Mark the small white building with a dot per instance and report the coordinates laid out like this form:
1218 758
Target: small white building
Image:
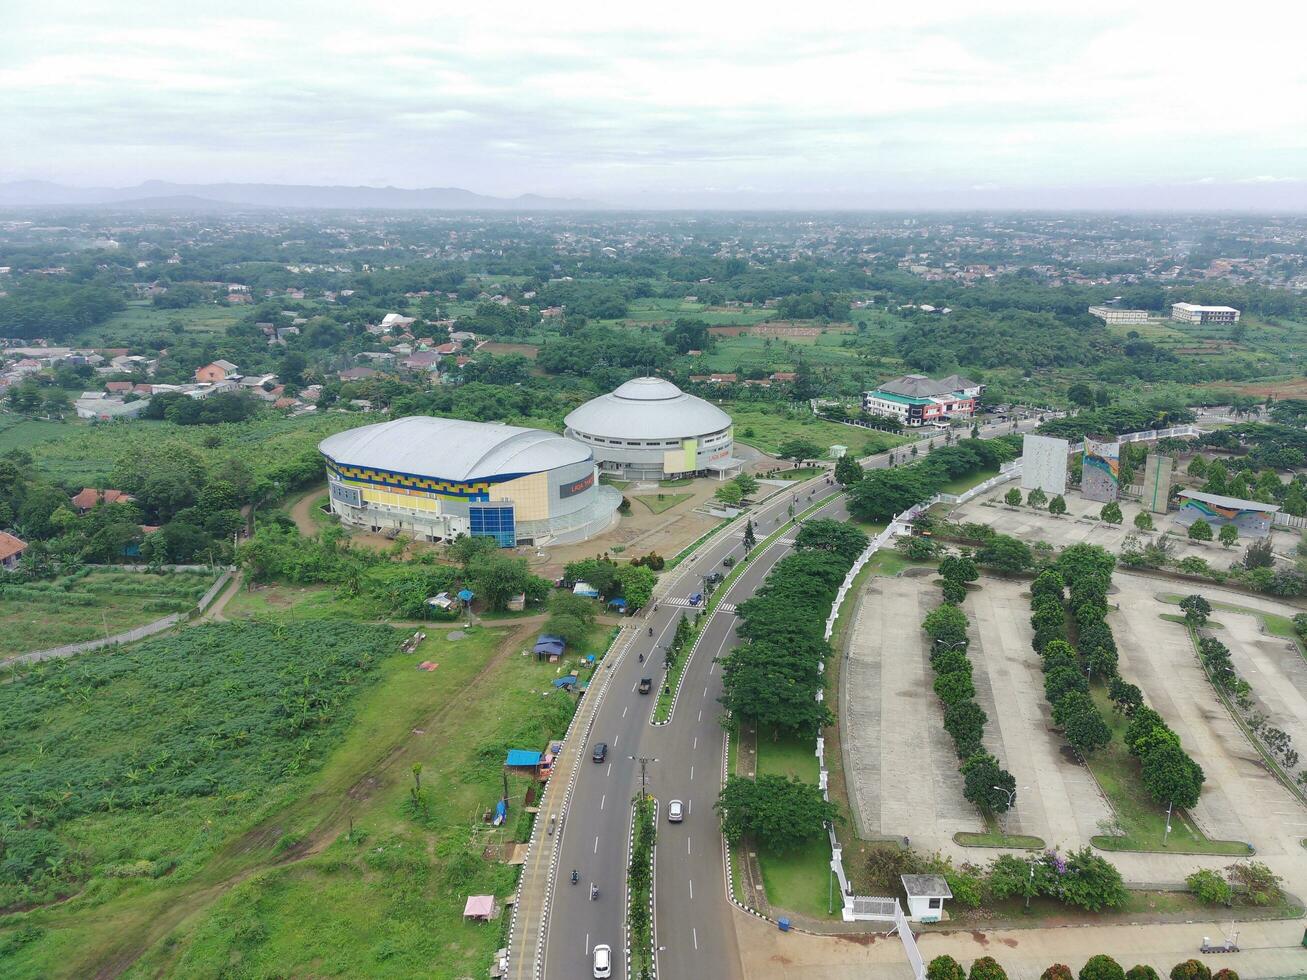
1192 313
926 894
1115 314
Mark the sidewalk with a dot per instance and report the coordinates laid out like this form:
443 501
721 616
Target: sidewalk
532 909
1269 949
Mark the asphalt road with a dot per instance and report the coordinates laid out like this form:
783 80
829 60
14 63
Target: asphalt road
693 926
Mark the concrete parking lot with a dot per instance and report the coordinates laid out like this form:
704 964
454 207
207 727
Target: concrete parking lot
1241 800
1056 796
1081 524
900 765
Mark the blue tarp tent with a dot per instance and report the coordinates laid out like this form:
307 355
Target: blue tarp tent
567 681
522 758
617 603
467 595
548 645
501 811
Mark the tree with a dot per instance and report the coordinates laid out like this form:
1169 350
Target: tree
637 585
468 550
847 471
778 813
748 484
1171 777
1005 554
1144 521
882 495
1057 506
1225 973
1200 530
954 591
1191 970
965 722
947 626
954 687
729 494
961 568
1078 717
1210 887
1255 881
1126 697
1013 497
1085 561
1259 555
749 541
988 785
799 450
1141 971
1101 967
1058 971
945 968
497 578
1037 498
1090 882
1060 681
986 968
1228 535
1111 513
836 537
1196 609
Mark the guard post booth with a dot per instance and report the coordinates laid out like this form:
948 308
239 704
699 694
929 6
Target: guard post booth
926 894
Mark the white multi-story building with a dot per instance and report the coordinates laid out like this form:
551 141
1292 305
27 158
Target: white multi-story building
1192 313
1115 314
915 399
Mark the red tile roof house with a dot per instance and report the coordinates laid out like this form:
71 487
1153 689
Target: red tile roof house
90 496
119 387
217 371
11 550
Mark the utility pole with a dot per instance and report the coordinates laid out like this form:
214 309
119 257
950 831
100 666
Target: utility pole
644 764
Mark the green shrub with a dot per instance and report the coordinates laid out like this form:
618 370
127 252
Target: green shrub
1101 967
945 968
1191 970
987 968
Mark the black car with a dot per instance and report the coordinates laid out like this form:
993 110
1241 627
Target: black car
601 752
646 685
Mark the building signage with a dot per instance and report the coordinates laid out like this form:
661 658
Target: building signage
580 486
346 495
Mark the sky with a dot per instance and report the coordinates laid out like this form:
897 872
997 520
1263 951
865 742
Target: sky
670 103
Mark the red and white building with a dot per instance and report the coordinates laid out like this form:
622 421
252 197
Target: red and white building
915 399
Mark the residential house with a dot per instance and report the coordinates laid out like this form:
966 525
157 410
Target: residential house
219 370
88 497
11 550
358 374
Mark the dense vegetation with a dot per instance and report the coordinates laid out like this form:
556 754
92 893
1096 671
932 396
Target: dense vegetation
222 712
883 494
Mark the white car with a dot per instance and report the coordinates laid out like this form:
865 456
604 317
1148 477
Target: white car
603 961
675 811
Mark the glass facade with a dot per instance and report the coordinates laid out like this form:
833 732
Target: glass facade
493 521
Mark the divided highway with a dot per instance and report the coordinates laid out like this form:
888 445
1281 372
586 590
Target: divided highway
693 926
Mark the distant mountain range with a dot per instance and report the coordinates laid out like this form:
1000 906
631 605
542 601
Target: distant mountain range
158 194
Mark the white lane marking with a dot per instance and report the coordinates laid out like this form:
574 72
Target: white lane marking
687 845
705 692
701 714
691 889
596 843
692 772
615 738
712 668
696 938
696 741
634 686
602 800
610 770
587 944
624 710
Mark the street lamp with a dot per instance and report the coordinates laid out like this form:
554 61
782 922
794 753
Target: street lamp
644 762
1011 795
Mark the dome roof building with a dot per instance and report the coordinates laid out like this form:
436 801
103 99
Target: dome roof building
649 429
436 478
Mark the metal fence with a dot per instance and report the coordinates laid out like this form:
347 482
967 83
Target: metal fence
132 635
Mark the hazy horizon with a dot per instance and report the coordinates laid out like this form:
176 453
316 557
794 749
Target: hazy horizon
828 106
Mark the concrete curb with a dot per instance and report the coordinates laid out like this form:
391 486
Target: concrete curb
562 817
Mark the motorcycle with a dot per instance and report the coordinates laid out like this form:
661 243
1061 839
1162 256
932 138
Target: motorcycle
575 876
594 892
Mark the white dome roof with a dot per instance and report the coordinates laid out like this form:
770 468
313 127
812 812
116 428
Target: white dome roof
647 408
452 449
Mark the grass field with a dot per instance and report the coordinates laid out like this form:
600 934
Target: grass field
17 432
788 756
142 321
99 604
658 503
1142 820
345 873
767 425
799 880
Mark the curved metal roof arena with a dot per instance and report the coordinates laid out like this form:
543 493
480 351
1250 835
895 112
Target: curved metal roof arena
647 408
452 449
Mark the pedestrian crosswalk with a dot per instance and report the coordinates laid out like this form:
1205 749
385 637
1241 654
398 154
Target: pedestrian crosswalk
681 603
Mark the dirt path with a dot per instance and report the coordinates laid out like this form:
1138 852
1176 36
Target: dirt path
142 927
301 512
215 611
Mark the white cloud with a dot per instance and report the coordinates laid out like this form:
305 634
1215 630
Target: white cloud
603 100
